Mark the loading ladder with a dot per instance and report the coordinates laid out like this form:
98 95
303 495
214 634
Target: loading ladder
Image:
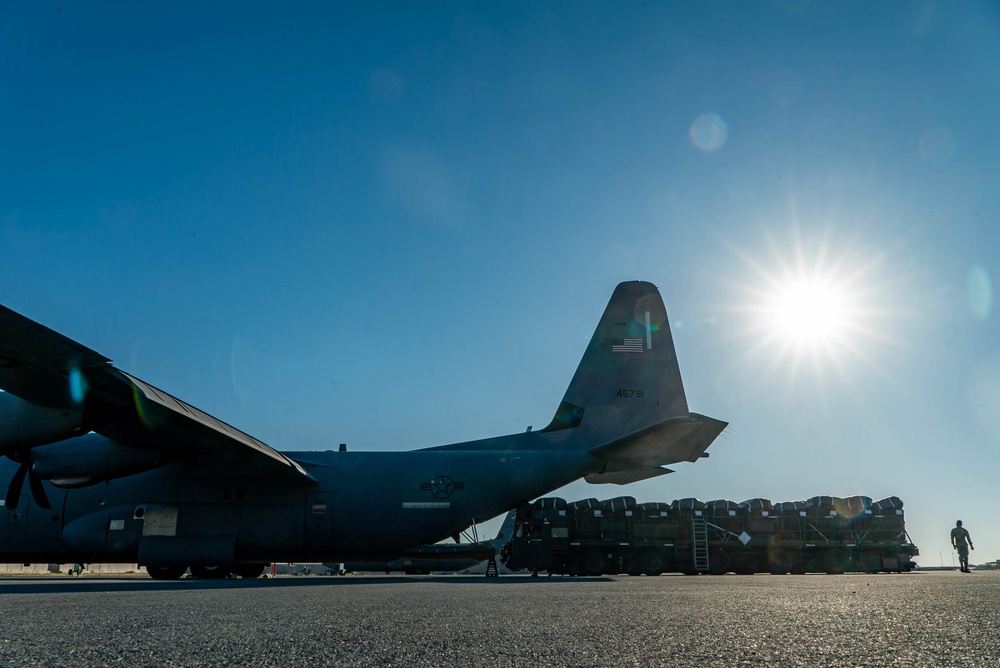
491 568
699 544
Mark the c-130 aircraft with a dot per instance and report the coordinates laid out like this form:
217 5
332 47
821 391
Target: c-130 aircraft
119 471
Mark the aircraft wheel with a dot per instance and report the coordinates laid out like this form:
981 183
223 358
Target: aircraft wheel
779 561
595 562
210 572
718 562
835 561
165 572
652 562
249 571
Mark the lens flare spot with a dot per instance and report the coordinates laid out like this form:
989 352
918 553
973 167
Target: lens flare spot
794 6
983 396
784 86
852 507
921 17
708 133
385 86
77 385
139 410
937 146
979 292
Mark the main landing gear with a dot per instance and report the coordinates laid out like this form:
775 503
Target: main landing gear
213 572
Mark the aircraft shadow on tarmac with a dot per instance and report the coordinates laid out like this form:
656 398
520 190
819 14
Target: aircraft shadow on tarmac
26 585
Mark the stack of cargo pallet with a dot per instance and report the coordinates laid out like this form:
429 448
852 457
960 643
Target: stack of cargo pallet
822 534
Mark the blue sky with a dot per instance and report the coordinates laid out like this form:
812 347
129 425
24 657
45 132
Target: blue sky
396 226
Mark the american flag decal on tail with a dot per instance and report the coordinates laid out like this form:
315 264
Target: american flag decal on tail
626 345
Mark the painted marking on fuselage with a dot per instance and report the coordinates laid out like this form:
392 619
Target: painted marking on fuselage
425 505
442 487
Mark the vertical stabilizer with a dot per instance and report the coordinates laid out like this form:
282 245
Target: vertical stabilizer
628 378
506 531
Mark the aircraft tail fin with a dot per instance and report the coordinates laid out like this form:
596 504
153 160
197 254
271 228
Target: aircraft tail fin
506 530
628 378
626 402
625 405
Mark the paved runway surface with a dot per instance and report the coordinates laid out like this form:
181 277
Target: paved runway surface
918 619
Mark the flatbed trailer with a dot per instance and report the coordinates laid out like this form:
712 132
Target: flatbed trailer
824 534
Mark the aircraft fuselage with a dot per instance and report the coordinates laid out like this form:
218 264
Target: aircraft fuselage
353 512
102 466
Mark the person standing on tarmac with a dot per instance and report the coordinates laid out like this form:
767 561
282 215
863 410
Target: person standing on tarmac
962 541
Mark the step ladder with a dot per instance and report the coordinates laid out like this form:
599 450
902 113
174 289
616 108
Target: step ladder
699 544
491 568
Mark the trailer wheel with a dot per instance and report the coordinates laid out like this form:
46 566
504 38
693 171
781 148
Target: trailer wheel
652 562
779 561
871 562
748 564
573 566
718 562
595 562
835 561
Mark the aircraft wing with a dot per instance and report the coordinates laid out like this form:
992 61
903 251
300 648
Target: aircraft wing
48 369
645 453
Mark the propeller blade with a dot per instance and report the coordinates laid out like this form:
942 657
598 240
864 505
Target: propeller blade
14 489
38 491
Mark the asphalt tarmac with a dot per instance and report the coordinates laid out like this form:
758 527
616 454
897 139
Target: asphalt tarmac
916 619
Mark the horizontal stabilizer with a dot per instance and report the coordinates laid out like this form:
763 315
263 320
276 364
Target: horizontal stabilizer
625 477
643 453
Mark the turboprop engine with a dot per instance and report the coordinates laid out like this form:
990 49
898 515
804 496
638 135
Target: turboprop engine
88 460
54 444
24 425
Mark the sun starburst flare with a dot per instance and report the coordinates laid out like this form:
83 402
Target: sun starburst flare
808 305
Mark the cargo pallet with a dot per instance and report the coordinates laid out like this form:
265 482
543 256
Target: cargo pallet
824 534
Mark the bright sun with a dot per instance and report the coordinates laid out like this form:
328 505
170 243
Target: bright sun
808 312
810 303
